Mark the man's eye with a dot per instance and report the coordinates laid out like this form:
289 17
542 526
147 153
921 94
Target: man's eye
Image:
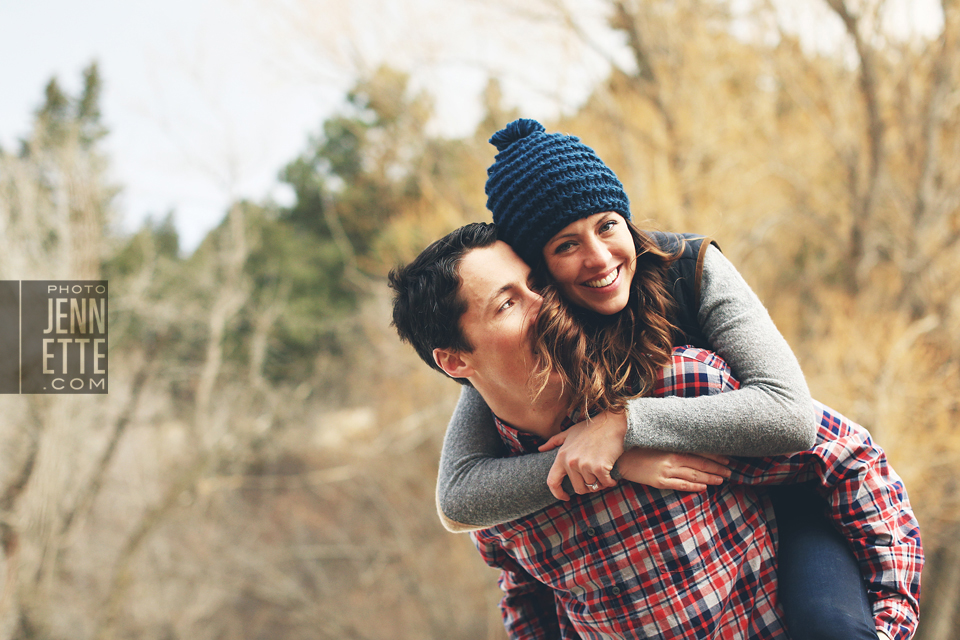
506 305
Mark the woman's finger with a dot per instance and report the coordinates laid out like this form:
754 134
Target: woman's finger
719 459
576 479
712 464
554 441
591 483
676 484
696 476
685 463
555 482
602 475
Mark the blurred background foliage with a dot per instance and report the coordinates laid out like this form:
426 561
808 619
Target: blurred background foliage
264 464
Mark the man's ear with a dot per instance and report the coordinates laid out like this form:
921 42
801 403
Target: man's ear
452 363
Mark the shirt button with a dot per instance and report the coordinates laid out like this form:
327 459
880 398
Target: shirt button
591 532
615 591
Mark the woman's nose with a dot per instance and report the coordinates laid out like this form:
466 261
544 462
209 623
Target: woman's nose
595 253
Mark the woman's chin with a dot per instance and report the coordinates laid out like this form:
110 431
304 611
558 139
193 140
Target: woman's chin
608 307
603 303
611 310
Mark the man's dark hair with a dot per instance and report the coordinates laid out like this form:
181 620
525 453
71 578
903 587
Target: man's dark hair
426 303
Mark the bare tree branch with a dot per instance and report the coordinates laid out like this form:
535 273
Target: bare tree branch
91 490
865 194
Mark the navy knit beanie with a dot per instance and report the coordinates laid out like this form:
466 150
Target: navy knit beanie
541 182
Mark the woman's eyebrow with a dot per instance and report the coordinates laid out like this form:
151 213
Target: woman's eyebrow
570 234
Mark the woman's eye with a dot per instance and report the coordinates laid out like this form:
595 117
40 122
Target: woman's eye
562 247
607 226
506 305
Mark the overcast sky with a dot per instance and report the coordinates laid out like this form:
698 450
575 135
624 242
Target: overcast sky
195 114
207 99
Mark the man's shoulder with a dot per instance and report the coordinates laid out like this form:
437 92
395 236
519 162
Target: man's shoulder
833 424
694 372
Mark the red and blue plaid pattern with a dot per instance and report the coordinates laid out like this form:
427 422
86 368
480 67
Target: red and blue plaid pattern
633 561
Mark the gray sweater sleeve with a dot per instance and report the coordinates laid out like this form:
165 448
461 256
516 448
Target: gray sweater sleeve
477 487
771 413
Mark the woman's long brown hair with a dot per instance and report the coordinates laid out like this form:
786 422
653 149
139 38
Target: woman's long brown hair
604 360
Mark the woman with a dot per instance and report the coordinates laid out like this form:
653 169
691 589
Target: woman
636 295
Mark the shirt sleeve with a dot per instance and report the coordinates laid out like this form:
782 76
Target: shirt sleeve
867 503
528 606
476 486
770 413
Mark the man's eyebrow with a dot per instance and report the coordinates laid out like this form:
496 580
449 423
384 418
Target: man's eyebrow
499 292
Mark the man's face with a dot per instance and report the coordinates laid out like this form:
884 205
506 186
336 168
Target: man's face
501 309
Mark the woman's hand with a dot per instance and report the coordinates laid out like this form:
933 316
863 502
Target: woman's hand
588 451
676 471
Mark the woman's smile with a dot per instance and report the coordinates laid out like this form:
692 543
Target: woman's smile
604 281
593 261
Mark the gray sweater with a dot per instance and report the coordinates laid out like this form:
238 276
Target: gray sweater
770 414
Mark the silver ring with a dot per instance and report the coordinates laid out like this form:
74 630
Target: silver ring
594 486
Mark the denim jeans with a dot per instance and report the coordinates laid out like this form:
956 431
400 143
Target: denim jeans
821 589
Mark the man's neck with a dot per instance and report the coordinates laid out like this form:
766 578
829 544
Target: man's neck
543 417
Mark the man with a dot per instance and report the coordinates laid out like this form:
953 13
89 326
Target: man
634 561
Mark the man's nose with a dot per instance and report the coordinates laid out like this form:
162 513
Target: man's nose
535 301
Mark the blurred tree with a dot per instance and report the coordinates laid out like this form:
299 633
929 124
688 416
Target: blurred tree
361 171
224 367
375 166
154 239
58 203
370 189
55 207
495 114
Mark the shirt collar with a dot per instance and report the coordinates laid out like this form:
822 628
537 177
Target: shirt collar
520 442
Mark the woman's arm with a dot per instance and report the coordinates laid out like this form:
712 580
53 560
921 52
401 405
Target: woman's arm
770 414
476 486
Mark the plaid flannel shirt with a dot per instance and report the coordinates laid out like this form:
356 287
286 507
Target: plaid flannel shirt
633 561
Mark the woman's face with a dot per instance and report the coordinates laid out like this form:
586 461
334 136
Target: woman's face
593 261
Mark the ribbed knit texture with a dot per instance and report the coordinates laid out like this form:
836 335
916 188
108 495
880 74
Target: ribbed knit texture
541 182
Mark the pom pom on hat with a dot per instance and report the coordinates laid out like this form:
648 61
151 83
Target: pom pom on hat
514 131
540 182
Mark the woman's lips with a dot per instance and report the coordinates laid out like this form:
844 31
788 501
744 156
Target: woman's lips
604 281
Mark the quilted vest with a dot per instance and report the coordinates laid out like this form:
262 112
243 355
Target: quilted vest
683 281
